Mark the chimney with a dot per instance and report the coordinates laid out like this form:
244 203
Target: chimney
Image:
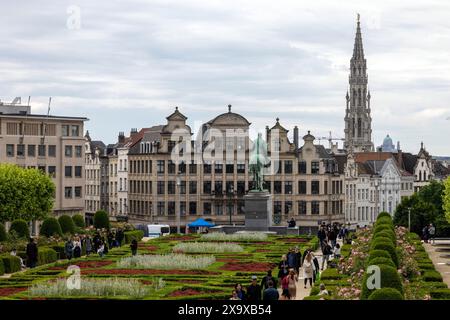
334 148
296 137
121 138
267 134
133 132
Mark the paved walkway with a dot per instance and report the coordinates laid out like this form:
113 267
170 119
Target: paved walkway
441 263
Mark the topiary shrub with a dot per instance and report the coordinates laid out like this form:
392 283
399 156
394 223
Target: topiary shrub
3 235
383 227
383 214
101 220
66 223
432 275
78 220
440 294
379 253
389 248
2 268
130 235
46 255
11 263
381 261
385 234
331 273
384 220
413 236
389 279
50 227
381 240
20 227
60 251
386 294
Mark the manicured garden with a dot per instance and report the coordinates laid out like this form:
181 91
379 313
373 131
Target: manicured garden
173 267
406 272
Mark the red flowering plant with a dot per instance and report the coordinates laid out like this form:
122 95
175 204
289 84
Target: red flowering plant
408 267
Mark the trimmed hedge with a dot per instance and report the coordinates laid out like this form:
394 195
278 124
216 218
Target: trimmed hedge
101 220
381 240
3 235
331 274
386 294
384 220
383 227
46 255
78 220
66 223
11 263
316 297
381 261
135 234
389 248
60 251
51 227
432 275
2 267
389 279
385 234
439 294
21 228
379 253
383 214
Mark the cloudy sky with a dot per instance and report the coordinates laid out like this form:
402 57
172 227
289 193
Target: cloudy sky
126 64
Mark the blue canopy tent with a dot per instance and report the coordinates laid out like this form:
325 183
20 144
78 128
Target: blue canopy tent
200 223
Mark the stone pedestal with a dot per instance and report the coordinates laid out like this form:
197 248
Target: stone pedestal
258 211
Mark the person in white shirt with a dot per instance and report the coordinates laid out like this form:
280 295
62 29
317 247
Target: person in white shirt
14 253
337 251
323 291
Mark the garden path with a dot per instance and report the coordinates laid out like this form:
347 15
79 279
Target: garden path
441 264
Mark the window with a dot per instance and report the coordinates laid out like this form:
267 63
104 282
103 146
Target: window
302 207
302 167
314 167
31 150
65 130
229 187
78 171
182 168
192 168
68 151
192 187
277 207
68 171
192 208
206 168
160 166
277 187
240 187
207 187
302 187
325 189
78 152
171 208
288 207
20 150
160 208
218 209
52 151
182 187
218 168
42 169
68 192
276 166
241 168
75 131
182 208
240 207
287 166
10 150
315 207
229 168
77 192
171 187
52 171
218 188
288 187
315 187
207 208
160 187
171 167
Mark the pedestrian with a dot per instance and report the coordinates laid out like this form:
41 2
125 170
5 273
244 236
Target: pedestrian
291 223
110 238
14 253
76 249
425 234
298 259
332 236
291 258
134 247
316 266
101 249
234 295
283 268
431 232
308 269
285 295
240 291
292 283
337 251
68 249
88 245
254 290
322 235
120 235
326 252
271 293
323 291
265 281
32 253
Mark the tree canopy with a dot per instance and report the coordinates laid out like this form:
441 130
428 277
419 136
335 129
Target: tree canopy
26 194
446 199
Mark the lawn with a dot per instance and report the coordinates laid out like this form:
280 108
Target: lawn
204 271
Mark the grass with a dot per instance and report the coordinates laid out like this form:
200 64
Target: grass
207 247
169 261
245 236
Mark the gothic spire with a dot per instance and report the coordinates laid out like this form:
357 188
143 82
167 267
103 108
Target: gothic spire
358 50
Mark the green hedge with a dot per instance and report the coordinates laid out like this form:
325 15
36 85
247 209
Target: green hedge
2 267
60 251
383 214
316 297
78 220
51 227
384 220
389 279
381 240
385 234
386 294
66 223
101 220
46 255
11 263
439 294
379 253
3 235
135 234
21 228
389 248
432 275
381 261
330 273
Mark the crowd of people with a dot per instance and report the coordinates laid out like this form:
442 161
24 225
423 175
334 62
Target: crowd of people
429 233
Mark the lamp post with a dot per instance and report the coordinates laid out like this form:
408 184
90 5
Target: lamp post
179 205
409 219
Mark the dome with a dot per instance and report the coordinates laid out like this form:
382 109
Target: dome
388 146
387 141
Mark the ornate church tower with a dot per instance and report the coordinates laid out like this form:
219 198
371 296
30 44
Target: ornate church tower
358 123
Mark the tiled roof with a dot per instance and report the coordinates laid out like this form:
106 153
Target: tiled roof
372 156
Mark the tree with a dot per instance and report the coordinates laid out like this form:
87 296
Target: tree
66 223
446 199
101 220
3 235
51 227
20 228
26 194
78 220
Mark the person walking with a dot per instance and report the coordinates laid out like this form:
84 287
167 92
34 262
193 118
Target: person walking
285 295
271 293
120 235
240 291
425 234
308 269
68 249
254 290
283 268
322 235
134 247
88 245
326 252
234 295
101 249
431 232
265 281
316 266
291 258
76 249
292 283
298 260
32 253
337 251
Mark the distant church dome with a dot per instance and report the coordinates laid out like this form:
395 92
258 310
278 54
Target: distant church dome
388 146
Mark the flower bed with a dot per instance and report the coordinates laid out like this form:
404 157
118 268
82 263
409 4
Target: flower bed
11 290
145 272
207 247
169 261
190 292
248 266
84 264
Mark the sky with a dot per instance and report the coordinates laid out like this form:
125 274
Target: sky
127 64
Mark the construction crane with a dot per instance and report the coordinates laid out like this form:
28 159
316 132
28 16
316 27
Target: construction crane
330 139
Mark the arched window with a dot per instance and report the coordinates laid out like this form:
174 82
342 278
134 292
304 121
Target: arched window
359 70
353 127
420 175
359 127
354 97
359 97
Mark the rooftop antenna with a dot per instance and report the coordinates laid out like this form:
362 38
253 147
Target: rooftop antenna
45 124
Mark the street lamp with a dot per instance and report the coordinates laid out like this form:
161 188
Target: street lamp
179 205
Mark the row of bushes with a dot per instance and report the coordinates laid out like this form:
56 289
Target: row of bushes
383 254
9 263
135 234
